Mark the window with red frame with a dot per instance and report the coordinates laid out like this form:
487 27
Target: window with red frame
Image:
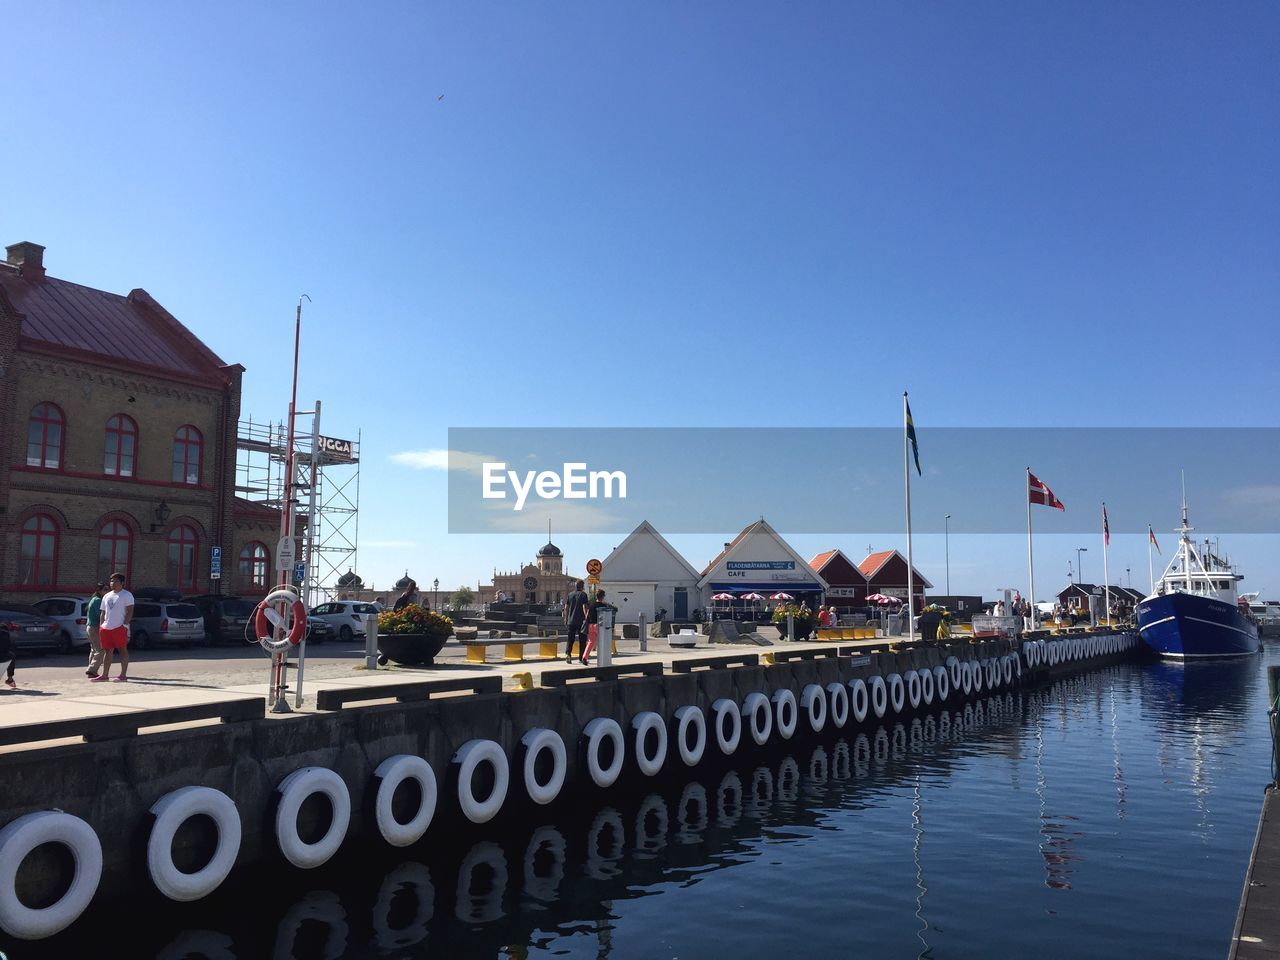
121 446
183 545
254 561
115 550
38 553
44 436
188 445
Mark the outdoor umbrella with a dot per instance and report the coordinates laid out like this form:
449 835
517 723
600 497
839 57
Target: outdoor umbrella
881 599
751 596
781 596
722 598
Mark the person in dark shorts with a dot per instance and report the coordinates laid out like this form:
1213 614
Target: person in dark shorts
7 654
575 616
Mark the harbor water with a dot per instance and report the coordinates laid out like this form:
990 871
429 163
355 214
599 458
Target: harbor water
1110 814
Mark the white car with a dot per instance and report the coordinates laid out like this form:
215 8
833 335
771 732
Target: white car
72 617
345 616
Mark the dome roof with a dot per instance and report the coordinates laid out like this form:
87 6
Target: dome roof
404 581
550 550
350 579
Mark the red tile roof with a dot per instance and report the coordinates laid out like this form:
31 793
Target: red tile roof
874 561
822 559
112 329
249 510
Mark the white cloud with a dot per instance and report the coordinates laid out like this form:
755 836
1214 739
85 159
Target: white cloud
438 458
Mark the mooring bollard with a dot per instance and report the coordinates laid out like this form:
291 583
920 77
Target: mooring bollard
604 642
644 634
371 641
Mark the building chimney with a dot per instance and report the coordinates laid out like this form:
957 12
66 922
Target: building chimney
28 257
727 545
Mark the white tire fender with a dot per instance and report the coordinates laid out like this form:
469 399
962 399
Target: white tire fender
17 840
813 700
641 724
759 716
594 734
914 691
879 697
173 810
838 694
897 692
468 758
784 705
686 718
859 699
537 741
293 790
724 712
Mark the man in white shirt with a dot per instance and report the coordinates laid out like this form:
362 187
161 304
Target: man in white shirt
113 635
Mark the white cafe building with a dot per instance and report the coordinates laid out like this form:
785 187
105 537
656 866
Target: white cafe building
759 561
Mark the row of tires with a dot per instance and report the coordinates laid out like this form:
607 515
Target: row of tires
1039 654
543 763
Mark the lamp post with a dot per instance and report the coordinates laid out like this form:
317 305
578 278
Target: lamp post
947 545
1080 564
1128 577
435 585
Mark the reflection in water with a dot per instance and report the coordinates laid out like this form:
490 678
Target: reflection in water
832 811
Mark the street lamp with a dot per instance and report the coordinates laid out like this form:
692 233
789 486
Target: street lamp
1128 576
1080 564
947 542
435 585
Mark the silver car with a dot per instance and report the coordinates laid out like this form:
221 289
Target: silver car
165 621
72 616
345 616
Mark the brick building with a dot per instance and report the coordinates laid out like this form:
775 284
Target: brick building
119 428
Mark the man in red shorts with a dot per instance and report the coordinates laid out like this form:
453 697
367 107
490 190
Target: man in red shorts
113 635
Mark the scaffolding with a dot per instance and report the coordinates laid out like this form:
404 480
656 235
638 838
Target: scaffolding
326 493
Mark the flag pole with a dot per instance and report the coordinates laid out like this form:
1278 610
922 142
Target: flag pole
1106 577
1031 566
1151 571
906 473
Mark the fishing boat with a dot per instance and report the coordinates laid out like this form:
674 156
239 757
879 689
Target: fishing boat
1194 612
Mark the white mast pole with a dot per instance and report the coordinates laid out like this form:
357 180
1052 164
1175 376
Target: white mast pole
911 580
1106 576
1031 566
1151 571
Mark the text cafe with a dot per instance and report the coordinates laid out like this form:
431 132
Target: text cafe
759 561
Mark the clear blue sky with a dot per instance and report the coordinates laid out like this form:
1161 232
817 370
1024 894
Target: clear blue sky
746 213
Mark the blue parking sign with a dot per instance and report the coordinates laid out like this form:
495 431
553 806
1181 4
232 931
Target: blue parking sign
299 572
215 563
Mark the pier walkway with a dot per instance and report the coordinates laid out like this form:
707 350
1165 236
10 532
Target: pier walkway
1257 933
45 712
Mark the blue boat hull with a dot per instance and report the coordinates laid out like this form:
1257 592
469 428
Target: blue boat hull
1183 626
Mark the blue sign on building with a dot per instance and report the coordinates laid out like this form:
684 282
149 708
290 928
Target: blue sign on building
215 563
299 572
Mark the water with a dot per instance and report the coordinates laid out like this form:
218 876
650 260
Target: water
1108 815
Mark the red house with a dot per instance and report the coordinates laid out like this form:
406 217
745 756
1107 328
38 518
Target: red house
846 585
886 573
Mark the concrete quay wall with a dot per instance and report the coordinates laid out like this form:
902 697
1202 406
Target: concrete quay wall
113 784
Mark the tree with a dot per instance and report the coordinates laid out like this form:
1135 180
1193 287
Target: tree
462 597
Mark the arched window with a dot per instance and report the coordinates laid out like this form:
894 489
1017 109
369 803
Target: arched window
38 555
254 563
44 436
183 544
115 550
187 447
121 445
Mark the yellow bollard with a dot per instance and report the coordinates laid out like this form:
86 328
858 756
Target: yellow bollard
524 681
768 658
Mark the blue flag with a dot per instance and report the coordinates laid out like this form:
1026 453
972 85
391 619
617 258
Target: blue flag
911 434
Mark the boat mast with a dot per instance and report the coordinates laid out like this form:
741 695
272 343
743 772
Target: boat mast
1186 541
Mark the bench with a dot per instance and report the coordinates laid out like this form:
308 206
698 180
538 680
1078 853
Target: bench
512 648
715 663
407 692
128 722
558 678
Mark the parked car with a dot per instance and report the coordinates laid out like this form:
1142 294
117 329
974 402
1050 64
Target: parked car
318 630
72 615
155 593
165 622
345 616
225 618
29 630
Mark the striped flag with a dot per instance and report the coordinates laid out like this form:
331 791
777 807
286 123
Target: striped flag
1106 528
1151 534
911 434
1039 493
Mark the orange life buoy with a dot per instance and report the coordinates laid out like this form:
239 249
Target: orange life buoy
266 631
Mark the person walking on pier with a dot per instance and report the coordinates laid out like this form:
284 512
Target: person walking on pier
575 617
409 596
593 626
94 616
117 611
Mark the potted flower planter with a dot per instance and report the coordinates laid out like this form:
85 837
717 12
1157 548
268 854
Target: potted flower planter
409 648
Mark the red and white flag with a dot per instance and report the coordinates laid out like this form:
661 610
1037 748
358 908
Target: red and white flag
1037 492
1151 534
1106 528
